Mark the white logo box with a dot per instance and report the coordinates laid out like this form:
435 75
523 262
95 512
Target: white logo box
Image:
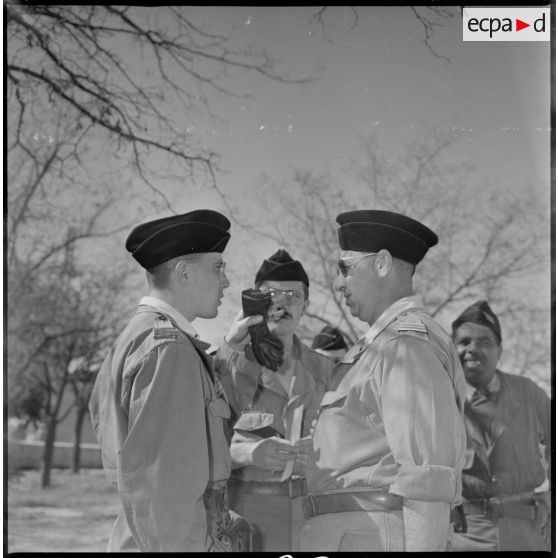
502 24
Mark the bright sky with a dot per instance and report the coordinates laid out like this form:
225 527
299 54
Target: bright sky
378 78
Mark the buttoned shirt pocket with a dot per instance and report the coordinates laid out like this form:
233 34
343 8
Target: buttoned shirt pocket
333 399
256 424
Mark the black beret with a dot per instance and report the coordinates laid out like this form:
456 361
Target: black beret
479 313
329 339
370 230
281 267
158 241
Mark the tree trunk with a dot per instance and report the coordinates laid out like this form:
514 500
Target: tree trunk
81 411
50 437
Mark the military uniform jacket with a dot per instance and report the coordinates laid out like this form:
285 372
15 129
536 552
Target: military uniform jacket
513 463
395 420
160 424
261 406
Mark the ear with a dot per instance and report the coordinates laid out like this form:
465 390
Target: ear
306 304
383 263
181 271
500 349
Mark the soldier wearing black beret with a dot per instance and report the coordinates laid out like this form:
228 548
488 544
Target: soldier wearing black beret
507 417
389 442
157 409
274 406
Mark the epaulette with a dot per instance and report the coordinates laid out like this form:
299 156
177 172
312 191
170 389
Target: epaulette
163 328
410 322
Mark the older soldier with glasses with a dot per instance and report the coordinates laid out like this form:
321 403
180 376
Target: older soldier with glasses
157 408
274 384
389 443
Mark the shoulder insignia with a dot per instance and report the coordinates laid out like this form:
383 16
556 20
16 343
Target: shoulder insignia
411 322
163 328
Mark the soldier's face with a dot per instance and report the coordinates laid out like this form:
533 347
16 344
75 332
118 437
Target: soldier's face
208 282
479 351
358 282
288 305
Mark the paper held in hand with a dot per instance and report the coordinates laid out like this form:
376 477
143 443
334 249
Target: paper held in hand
294 436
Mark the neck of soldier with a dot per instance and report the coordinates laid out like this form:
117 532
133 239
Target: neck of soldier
394 292
178 301
287 368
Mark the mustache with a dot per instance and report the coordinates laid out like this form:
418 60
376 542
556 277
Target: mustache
276 316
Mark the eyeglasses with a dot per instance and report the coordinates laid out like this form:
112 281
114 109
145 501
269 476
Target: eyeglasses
220 268
289 295
345 268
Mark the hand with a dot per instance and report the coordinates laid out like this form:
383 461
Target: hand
542 503
238 335
267 348
273 453
303 447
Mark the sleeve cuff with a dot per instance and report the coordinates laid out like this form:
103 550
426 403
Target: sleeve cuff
429 483
234 356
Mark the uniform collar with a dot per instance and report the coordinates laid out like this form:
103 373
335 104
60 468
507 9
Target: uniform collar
164 307
388 315
493 387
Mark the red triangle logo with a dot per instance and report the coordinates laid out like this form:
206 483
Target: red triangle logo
519 25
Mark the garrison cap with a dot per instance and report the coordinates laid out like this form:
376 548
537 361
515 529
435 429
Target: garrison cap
281 267
479 313
156 242
329 339
370 230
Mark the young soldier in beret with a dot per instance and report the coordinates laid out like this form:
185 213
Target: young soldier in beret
156 406
389 442
507 417
273 410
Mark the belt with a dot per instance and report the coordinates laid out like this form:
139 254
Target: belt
292 488
350 501
493 508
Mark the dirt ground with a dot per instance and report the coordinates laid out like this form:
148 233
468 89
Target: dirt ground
74 515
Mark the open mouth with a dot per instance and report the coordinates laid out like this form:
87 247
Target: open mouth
472 362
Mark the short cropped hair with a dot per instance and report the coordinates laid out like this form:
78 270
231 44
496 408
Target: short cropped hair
409 267
158 276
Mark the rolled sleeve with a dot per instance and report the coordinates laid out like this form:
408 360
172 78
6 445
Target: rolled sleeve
423 423
238 375
429 483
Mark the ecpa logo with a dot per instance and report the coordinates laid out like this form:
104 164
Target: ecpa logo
506 24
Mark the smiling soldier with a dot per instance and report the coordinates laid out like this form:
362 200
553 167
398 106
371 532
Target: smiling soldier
274 401
507 417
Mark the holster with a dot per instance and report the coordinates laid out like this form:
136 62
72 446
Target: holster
459 519
225 526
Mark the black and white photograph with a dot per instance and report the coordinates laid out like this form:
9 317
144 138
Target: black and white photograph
279 278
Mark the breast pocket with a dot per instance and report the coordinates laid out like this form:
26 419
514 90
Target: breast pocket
218 407
256 423
333 399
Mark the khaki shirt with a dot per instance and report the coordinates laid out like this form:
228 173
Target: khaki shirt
395 421
160 424
262 408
